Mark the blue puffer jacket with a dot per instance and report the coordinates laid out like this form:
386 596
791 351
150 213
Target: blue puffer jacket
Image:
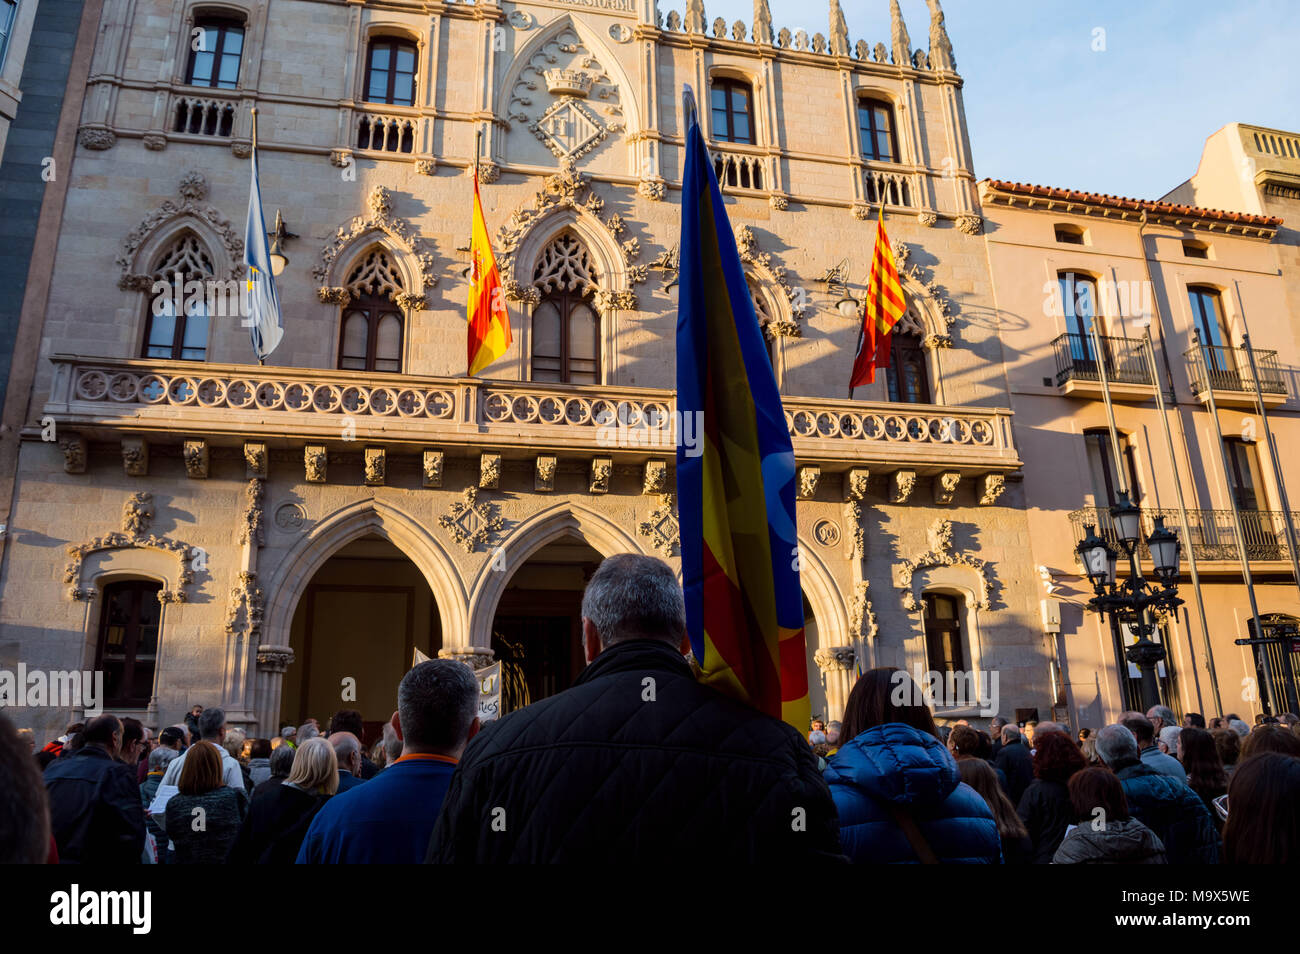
896 764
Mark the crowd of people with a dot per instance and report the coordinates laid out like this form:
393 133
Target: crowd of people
641 761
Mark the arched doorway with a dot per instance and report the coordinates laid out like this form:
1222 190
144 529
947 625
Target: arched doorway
537 629
816 678
354 632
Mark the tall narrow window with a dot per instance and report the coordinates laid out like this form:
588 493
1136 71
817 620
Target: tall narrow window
1207 314
566 327
127 647
179 333
943 636
216 60
733 111
1244 474
8 13
1079 301
372 327
1101 465
876 130
390 72
906 377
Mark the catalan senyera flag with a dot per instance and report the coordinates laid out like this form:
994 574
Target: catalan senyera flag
736 486
885 305
489 322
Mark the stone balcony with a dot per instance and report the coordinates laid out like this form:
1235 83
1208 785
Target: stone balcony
167 401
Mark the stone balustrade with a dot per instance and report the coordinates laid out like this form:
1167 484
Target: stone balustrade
103 397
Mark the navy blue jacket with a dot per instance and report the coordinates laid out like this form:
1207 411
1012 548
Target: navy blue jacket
1173 811
894 764
385 821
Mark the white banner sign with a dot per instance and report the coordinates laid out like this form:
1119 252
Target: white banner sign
489 692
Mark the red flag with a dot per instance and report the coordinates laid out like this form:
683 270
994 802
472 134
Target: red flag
884 306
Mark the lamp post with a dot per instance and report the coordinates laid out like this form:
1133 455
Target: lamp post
1131 601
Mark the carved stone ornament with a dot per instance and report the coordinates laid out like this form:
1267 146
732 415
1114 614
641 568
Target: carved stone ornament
137 518
991 487
154 142
96 137
940 554
858 534
929 290
809 477
245 609
654 477
380 219
376 466
426 167
826 533
315 460
472 522
241 148
835 659
653 188
255 460
927 217
488 172
252 527
855 483
862 619
75 452
341 158
196 459
779 202
193 190
901 483
767 269
567 189
489 471
970 223
432 468
945 487
290 517
544 476
135 456
601 469
662 527
274 658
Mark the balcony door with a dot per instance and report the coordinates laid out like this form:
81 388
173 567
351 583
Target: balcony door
1101 466
1079 301
1264 540
1216 339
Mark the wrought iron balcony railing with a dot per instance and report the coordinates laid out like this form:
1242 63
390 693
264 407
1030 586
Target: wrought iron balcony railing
1228 369
233 401
1213 532
1123 359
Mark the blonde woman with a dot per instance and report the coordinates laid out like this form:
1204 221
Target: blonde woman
280 815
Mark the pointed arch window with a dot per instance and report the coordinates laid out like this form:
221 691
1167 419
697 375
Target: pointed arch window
566 326
373 326
173 333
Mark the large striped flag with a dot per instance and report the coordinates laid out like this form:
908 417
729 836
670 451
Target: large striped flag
263 319
885 305
740 570
489 322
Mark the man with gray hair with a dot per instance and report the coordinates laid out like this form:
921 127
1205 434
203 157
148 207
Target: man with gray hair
212 729
347 747
1152 757
639 762
1160 717
1168 807
388 819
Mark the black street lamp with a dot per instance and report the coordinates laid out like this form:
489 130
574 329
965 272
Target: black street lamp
1132 600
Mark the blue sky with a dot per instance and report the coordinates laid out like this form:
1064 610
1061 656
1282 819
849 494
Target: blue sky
1044 107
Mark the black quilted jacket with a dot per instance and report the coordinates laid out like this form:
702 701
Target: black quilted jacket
619 769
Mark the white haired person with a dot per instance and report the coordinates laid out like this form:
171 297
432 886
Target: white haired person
280 815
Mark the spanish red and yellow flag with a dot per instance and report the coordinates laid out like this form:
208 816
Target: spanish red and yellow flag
885 305
489 322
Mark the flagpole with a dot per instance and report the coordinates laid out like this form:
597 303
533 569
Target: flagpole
260 360
478 150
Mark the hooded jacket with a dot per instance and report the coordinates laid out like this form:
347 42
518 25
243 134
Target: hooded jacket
1127 842
896 765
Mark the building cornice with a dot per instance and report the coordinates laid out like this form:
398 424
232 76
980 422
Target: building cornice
1073 202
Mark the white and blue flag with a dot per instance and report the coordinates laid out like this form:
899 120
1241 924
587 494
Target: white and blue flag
263 316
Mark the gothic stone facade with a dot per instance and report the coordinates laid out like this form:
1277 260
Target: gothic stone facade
232 484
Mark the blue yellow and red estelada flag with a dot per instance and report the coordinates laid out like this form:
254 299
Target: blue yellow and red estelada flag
736 486
489 322
885 305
